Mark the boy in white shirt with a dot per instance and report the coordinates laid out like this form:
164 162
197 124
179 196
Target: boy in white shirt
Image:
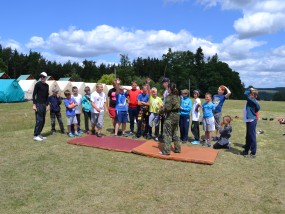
196 117
98 101
78 99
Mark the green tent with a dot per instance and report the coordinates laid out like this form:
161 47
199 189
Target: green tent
10 91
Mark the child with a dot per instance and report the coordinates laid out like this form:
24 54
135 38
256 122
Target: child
155 104
121 108
86 107
208 119
111 103
78 99
54 102
70 104
196 117
225 133
218 100
98 100
184 111
143 114
250 110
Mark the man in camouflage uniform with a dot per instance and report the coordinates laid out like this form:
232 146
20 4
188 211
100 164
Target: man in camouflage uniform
170 108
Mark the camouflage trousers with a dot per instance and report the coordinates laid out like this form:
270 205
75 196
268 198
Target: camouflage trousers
170 129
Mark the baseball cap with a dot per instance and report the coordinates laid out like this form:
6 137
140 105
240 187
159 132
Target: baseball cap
43 74
165 79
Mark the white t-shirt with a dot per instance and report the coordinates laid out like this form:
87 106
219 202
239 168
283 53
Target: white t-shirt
195 114
78 100
99 99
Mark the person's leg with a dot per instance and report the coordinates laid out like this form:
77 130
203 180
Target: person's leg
117 128
40 119
93 122
86 120
100 123
52 121
150 122
124 128
252 137
186 126
156 124
167 137
139 124
175 138
218 146
78 121
162 119
59 119
181 127
146 128
132 117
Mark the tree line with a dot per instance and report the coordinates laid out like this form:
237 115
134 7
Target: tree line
187 69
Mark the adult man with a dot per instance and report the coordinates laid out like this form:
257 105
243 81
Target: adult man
40 105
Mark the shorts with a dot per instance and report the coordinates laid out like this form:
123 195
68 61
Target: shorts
97 119
71 120
112 112
122 116
209 124
218 116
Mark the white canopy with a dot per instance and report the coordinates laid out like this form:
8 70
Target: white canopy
80 86
28 88
64 85
52 84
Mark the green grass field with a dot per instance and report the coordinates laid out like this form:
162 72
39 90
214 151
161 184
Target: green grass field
55 177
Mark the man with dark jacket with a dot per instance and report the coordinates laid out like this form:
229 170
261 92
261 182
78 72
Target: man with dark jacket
40 105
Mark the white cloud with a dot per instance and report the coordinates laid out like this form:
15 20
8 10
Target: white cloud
36 42
14 45
260 17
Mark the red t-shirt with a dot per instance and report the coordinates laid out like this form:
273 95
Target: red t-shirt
133 98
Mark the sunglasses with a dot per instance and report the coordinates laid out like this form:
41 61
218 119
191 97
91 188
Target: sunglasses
42 77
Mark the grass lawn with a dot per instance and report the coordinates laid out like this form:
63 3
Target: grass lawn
55 177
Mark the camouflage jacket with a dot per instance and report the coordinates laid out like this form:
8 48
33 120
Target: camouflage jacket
171 104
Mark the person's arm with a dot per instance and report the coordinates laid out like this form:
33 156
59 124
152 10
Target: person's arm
228 92
187 107
35 92
94 106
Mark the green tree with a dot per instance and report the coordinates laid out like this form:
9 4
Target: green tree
107 79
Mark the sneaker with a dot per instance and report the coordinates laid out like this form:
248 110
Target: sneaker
77 134
156 138
99 135
53 132
183 142
244 153
80 131
125 135
37 138
63 132
93 132
42 137
229 145
148 137
195 142
131 133
208 144
163 153
70 134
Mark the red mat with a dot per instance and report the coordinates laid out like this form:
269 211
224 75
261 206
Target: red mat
188 154
121 144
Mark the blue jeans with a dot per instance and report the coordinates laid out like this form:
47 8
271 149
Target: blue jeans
251 137
184 127
133 114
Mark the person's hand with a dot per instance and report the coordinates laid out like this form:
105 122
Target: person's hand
118 81
222 123
34 107
47 108
181 108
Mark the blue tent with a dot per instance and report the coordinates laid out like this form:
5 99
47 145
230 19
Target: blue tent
10 91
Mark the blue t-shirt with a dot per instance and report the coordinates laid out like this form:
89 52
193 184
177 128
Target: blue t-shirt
70 111
143 98
208 109
121 102
218 101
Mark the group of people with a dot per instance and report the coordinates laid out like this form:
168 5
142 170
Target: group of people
145 108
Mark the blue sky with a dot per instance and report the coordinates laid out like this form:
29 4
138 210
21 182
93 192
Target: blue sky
247 34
